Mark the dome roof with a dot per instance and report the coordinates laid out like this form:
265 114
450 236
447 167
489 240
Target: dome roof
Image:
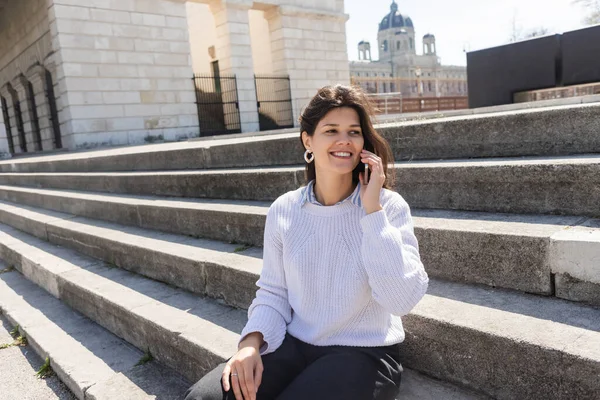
429 35
394 19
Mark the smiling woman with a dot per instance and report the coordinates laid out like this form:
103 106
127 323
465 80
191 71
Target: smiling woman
341 265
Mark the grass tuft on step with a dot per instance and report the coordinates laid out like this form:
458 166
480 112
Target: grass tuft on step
9 269
15 331
242 248
146 358
45 370
20 340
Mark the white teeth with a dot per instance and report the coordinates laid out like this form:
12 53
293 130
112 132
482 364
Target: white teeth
342 154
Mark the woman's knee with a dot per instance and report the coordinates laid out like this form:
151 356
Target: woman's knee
208 388
202 391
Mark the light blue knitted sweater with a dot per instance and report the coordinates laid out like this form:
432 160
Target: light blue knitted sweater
333 275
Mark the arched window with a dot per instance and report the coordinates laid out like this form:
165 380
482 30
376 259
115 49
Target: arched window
398 45
385 46
411 43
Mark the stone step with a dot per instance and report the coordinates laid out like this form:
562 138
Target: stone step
188 333
557 185
551 131
19 364
92 362
205 267
535 254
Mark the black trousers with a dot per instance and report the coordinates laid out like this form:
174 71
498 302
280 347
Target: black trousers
301 371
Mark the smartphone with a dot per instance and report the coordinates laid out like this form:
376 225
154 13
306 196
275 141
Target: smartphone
367 147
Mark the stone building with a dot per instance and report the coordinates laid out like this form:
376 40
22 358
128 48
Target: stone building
400 68
85 73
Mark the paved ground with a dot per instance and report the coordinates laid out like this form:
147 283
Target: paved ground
18 366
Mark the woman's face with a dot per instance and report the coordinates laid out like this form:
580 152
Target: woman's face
338 132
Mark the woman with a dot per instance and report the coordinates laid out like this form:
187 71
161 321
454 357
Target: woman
341 265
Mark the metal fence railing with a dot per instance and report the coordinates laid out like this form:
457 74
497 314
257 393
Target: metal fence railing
394 103
274 102
217 102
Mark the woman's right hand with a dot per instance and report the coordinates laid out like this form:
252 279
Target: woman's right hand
245 368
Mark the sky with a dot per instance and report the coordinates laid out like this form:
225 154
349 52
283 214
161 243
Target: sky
460 25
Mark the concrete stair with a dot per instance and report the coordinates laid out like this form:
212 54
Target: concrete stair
160 245
479 325
551 131
190 334
91 361
461 246
558 185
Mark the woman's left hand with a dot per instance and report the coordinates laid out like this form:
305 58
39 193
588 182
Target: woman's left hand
369 193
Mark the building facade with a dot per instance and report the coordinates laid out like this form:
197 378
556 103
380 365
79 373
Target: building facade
400 68
86 73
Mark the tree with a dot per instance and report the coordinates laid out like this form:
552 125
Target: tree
539 31
593 9
517 33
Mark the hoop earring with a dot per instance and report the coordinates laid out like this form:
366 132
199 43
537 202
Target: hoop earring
306 156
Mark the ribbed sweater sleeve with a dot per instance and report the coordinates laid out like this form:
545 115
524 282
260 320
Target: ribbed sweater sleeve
390 254
270 311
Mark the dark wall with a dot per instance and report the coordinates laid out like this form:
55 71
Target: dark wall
495 74
581 56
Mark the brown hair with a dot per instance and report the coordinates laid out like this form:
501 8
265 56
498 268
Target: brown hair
330 97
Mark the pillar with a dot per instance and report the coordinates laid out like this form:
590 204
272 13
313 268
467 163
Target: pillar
37 76
309 45
57 117
5 146
28 113
16 122
234 53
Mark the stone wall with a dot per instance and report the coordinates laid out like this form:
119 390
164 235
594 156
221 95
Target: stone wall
125 69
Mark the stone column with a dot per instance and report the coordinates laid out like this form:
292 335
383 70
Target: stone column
234 52
29 115
59 122
37 76
16 122
9 122
4 146
309 45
